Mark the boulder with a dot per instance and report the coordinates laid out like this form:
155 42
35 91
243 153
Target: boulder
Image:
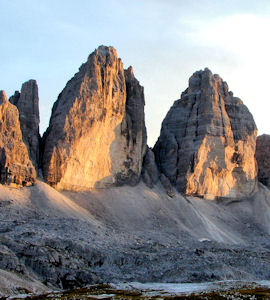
27 102
207 142
96 137
262 155
16 168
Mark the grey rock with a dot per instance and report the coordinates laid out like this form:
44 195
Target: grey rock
167 185
135 120
72 239
146 179
27 102
150 173
15 98
262 156
207 141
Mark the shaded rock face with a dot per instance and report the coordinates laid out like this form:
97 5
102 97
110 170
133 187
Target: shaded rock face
16 168
207 142
27 102
97 136
262 155
150 173
167 185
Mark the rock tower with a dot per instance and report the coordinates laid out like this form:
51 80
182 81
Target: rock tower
27 102
96 136
207 143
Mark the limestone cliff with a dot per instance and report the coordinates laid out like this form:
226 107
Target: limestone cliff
15 167
263 158
97 135
207 142
27 102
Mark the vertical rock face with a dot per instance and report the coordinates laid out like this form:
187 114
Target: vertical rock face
97 135
15 167
263 158
207 142
27 103
150 173
134 129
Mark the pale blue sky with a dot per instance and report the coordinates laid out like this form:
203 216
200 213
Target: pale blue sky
164 40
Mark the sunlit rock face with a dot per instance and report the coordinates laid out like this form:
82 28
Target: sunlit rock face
27 102
97 136
263 158
207 143
16 168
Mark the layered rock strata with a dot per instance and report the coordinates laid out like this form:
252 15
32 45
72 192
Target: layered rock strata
16 168
96 136
263 158
27 102
207 142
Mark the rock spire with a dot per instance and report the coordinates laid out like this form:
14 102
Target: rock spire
97 136
27 102
207 143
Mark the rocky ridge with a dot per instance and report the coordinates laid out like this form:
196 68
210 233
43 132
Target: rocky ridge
97 136
207 143
27 102
16 168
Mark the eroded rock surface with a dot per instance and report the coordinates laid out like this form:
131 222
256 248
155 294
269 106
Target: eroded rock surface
15 167
166 185
207 142
150 173
97 136
263 158
27 102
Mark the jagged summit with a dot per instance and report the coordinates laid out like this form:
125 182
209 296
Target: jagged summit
103 50
201 79
207 142
97 135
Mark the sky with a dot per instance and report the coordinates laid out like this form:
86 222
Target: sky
165 41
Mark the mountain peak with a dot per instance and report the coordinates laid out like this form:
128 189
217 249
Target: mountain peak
96 137
207 142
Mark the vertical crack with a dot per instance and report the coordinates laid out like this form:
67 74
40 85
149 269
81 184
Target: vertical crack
195 102
197 119
222 117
